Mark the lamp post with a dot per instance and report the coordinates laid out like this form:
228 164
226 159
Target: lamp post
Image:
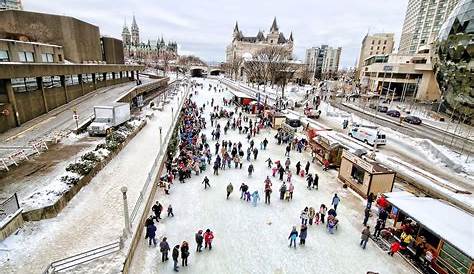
161 141
125 211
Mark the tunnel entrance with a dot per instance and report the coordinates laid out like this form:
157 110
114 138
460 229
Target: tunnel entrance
197 73
215 72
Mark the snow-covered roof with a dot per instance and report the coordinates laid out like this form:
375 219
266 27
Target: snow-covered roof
455 227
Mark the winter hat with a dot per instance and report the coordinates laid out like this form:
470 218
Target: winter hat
208 230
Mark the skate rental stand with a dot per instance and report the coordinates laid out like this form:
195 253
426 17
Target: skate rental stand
448 238
365 175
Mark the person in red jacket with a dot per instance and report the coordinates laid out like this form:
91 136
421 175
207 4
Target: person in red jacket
208 237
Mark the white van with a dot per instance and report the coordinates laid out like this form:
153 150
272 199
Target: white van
368 135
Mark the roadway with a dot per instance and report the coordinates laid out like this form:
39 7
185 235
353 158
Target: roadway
394 147
456 142
59 121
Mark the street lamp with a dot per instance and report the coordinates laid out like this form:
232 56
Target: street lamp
125 211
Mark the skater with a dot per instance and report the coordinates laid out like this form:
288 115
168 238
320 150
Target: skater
265 143
157 208
287 152
170 211
291 188
322 212
164 248
206 182
366 215
208 237
306 168
184 253
199 238
370 199
281 171
304 216
293 236
255 198
230 188
309 179
243 188
175 256
394 248
311 215
268 192
270 163
282 191
298 168
255 153
335 201
303 234
250 170
247 196
316 181
151 233
379 225
287 164
364 237
288 176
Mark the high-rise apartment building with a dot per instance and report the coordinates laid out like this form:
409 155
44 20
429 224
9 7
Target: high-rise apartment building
423 20
323 60
331 61
375 44
11 5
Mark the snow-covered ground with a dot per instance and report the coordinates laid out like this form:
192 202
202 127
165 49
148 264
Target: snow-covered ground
254 239
94 216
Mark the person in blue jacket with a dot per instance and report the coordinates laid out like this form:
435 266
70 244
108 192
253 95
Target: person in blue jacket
293 236
335 201
255 197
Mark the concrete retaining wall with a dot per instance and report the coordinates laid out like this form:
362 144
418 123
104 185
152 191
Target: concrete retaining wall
54 209
30 104
11 225
55 97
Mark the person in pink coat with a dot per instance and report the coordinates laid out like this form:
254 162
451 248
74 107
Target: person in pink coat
291 188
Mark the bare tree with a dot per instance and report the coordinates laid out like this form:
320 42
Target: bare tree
233 66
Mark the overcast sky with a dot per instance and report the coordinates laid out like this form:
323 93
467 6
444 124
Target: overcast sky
204 28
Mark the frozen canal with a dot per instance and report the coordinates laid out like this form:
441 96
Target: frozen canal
255 239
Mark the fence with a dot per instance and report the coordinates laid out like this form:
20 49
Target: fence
9 207
83 257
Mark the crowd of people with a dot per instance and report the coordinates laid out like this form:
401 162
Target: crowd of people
195 154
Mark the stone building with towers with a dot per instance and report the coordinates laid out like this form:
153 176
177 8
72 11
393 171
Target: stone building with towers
246 46
137 50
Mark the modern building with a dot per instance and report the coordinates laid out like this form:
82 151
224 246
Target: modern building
330 64
423 20
375 44
405 77
11 5
149 51
323 61
49 60
247 46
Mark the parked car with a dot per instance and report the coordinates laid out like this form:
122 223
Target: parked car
382 109
393 113
412 120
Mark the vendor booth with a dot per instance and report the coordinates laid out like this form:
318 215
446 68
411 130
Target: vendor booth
327 148
364 175
444 230
275 117
241 98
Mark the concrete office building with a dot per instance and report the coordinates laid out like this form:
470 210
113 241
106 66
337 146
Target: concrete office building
11 5
323 61
423 20
402 76
375 44
41 64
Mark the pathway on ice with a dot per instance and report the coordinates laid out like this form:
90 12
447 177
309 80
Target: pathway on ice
254 239
95 216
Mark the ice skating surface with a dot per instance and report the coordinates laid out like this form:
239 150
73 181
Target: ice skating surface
255 239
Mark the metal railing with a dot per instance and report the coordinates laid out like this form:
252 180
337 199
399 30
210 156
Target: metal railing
83 257
9 207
